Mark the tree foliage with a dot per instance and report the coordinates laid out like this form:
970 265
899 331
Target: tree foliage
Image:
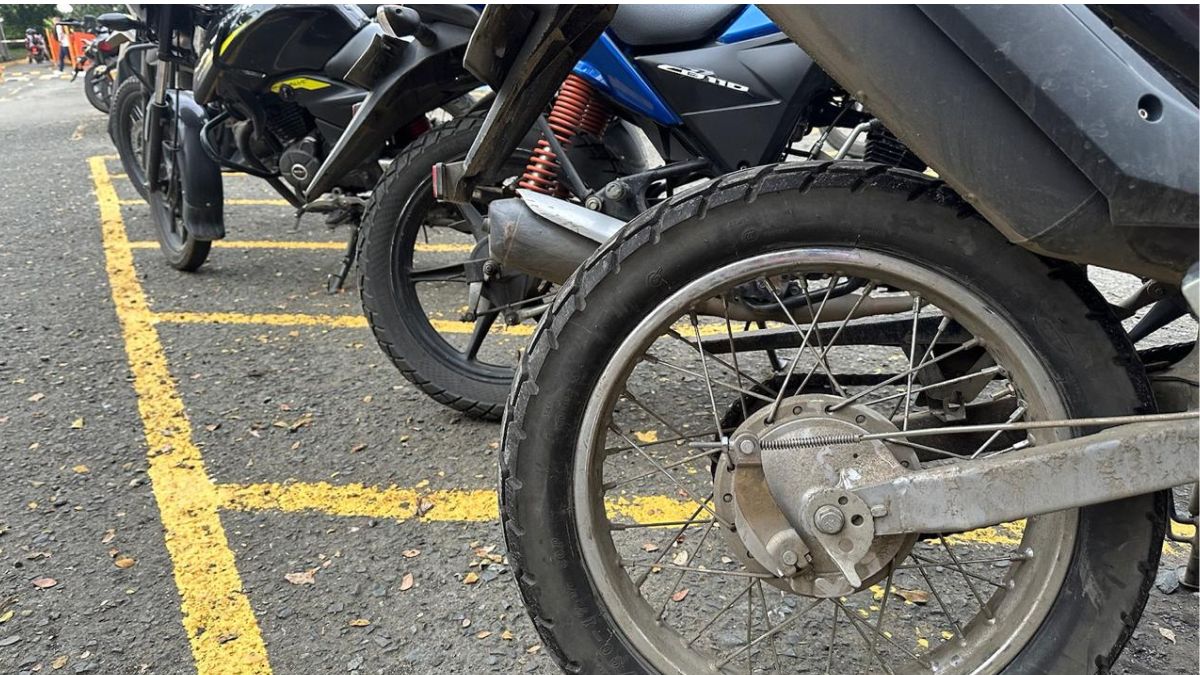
18 17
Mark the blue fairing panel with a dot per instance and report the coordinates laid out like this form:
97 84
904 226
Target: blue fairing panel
610 71
750 24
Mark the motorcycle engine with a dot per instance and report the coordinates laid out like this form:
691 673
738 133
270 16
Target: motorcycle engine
299 163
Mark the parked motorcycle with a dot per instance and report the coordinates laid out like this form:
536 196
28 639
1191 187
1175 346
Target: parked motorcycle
98 62
666 96
921 487
35 47
271 90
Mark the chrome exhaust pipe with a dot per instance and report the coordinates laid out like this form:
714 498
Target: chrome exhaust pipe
543 236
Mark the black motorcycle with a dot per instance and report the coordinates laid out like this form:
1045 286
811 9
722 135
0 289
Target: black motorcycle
268 90
99 59
907 485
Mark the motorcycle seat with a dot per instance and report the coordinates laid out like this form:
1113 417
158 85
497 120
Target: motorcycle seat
667 25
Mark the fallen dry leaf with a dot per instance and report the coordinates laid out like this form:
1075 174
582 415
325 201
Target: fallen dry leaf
424 506
471 578
406 582
359 623
917 597
533 649
108 536
359 448
226 637
410 552
59 662
482 634
424 482
1167 633
6 616
301 578
81 469
649 547
45 582
77 424
506 634
37 397
124 562
680 558
679 595
646 436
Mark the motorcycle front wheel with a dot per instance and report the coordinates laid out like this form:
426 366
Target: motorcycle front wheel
637 550
126 117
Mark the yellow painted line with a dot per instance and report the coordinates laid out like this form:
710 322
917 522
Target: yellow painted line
217 617
228 202
322 245
323 320
233 174
400 503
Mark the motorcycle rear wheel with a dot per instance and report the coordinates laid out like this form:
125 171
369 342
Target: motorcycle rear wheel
97 86
577 576
426 342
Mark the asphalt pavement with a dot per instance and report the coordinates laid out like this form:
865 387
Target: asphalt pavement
219 472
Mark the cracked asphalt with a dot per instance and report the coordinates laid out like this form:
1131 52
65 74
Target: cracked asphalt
186 489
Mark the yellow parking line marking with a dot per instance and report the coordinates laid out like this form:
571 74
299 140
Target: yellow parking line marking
337 245
399 503
125 176
217 617
323 320
228 202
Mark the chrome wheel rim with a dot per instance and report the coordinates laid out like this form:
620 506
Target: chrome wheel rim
982 643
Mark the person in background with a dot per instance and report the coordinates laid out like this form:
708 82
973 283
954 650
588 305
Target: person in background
64 37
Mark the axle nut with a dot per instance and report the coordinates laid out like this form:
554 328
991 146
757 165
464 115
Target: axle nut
789 558
829 519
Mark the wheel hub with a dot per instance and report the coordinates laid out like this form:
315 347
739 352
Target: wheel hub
793 511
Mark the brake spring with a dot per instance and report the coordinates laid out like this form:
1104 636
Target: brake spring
577 108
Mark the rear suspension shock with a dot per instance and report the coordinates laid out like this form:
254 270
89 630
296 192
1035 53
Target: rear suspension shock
577 108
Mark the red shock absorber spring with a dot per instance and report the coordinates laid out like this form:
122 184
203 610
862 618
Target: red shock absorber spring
577 108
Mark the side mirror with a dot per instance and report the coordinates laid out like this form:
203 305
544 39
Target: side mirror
118 21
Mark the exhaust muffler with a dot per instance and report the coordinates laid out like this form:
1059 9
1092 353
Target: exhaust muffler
544 236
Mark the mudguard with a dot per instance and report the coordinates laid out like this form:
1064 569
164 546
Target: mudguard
203 192
1060 134
422 78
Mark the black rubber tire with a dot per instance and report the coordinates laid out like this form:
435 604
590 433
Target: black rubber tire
128 96
389 229
835 204
97 91
185 256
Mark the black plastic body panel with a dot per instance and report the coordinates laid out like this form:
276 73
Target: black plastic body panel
203 191
1032 114
277 39
740 101
421 78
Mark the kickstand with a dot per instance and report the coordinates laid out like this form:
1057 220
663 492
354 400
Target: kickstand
335 281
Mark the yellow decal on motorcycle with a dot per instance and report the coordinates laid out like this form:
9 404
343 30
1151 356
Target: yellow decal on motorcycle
229 38
307 83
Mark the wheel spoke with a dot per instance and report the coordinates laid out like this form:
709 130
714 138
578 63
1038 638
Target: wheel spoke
688 523
610 486
650 358
483 325
662 420
712 399
945 610
812 326
1016 415
452 272
791 620
912 360
716 617
673 479
973 342
870 287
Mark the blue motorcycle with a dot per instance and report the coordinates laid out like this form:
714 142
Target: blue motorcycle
667 96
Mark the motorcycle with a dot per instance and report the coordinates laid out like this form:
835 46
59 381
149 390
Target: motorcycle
665 96
98 61
271 89
959 463
35 47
